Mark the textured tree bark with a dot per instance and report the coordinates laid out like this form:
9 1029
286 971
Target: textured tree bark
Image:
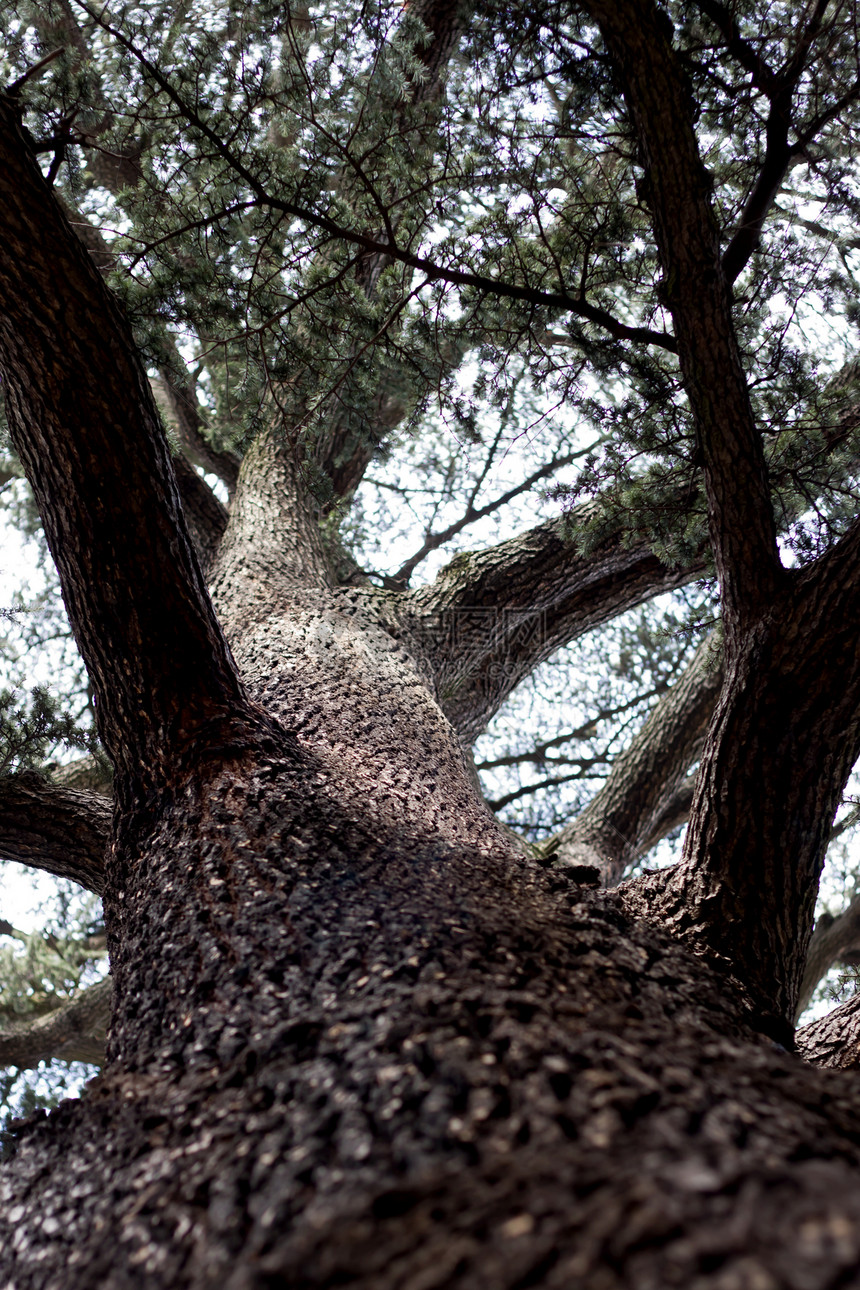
833 1040
465 1079
56 829
206 517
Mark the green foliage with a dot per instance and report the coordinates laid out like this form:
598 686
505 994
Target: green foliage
39 972
34 726
219 154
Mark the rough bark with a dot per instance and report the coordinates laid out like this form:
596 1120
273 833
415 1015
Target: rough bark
85 427
60 830
467 1083
648 792
74 1032
833 1040
272 545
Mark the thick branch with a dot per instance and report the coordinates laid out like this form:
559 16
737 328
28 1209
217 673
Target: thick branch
272 545
206 516
85 775
648 788
73 1033
56 829
832 940
490 618
86 429
742 529
183 413
833 1041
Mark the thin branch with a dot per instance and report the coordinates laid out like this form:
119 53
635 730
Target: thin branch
587 770
745 53
433 272
434 540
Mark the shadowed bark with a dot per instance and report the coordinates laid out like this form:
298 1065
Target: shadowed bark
778 754
59 830
84 424
205 516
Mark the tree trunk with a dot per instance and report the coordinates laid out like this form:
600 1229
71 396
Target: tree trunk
375 1056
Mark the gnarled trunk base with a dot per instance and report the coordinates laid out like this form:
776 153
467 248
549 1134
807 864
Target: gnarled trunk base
474 1080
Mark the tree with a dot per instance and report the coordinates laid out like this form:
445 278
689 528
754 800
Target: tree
360 1032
